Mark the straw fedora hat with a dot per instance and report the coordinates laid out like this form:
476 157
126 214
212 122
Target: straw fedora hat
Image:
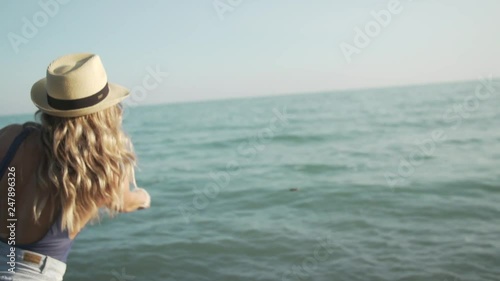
76 85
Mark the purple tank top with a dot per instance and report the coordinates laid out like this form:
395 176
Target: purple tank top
55 243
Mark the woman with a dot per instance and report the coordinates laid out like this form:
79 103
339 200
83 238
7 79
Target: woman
57 174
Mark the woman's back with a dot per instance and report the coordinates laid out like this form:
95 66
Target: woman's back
26 160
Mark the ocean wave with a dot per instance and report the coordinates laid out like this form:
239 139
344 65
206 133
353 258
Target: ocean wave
317 168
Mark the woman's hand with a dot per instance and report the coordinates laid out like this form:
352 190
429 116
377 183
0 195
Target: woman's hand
145 198
136 199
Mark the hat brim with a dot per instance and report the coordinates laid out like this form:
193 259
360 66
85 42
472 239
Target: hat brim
116 94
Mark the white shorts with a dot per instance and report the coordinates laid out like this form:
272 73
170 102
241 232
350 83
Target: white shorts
28 265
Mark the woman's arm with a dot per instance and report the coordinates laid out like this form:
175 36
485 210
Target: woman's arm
135 199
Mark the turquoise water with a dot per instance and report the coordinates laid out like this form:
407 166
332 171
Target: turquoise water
386 184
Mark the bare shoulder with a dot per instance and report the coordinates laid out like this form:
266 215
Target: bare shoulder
8 133
10 129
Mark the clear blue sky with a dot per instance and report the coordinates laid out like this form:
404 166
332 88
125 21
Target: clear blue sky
259 48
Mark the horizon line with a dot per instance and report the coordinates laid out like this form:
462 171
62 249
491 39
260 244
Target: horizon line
327 91
332 91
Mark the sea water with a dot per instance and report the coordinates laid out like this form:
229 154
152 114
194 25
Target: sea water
383 184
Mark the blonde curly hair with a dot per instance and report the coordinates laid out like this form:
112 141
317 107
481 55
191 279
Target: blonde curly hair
87 163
